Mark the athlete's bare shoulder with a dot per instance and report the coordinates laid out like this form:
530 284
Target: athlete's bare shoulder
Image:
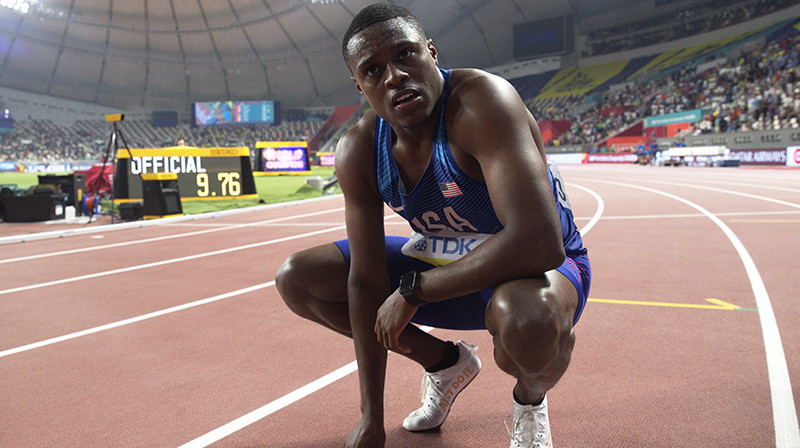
354 152
357 141
476 96
481 104
474 83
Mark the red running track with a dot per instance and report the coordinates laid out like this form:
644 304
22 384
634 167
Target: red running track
170 333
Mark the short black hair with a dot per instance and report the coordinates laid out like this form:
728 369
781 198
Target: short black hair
372 14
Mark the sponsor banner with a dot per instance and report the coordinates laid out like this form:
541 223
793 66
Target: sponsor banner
697 151
8 166
84 165
793 156
775 157
757 140
566 159
57 167
689 116
47 167
611 158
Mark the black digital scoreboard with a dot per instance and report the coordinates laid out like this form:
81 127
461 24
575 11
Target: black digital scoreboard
541 38
203 173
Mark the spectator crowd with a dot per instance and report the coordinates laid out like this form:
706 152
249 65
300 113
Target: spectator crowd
753 89
691 19
48 141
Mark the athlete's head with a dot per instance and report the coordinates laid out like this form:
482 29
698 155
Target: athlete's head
372 14
393 63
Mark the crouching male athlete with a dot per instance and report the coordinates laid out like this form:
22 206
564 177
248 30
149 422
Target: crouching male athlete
458 155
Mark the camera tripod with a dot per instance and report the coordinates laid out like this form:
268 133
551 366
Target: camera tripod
113 142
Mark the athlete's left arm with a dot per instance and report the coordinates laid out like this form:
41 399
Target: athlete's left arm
491 124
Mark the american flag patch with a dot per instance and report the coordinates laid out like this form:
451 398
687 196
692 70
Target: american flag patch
450 189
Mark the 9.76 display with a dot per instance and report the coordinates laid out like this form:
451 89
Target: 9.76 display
203 173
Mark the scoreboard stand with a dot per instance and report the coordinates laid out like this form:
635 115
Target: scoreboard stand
199 174
162 198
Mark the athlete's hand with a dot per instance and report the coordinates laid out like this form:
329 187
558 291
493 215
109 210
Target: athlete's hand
393 316
367 434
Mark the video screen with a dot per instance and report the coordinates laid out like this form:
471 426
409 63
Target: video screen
285 158
327 158
543 38
210 113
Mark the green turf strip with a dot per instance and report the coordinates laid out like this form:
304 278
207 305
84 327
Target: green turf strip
270 189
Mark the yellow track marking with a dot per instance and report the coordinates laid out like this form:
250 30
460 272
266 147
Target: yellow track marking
722 304
717 304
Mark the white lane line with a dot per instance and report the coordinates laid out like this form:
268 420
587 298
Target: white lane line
166 237
155 222
733 192
743 184
270 408
258 414
787 430
598 212
770 182
156 313
276 405
132 320
694 215
170 261
176 260
298 394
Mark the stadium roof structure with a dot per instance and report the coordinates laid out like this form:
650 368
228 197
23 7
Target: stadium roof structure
166 54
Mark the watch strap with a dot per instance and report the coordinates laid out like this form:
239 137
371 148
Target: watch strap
408 283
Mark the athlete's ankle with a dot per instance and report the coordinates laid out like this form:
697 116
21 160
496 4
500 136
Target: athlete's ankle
449 359
533 402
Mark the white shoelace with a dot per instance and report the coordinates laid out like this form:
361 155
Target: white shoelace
429 381
525 427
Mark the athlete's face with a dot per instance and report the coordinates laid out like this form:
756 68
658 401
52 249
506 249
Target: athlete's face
394 67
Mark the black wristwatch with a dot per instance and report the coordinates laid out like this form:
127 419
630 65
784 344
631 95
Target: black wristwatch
408 283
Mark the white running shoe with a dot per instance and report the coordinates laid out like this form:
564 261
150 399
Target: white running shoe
439 390
529 426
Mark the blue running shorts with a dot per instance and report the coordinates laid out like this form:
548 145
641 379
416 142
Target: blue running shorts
466 312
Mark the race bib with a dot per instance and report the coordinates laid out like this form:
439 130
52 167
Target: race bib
442 247
561 194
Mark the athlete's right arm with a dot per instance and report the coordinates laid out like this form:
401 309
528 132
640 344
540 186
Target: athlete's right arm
368 283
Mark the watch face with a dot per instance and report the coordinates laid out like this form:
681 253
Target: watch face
407 282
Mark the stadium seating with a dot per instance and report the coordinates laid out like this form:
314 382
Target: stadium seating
748 88
745 82
45 141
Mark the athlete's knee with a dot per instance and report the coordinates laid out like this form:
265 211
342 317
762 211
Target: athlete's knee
528 318
316 274
286 278
293 283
